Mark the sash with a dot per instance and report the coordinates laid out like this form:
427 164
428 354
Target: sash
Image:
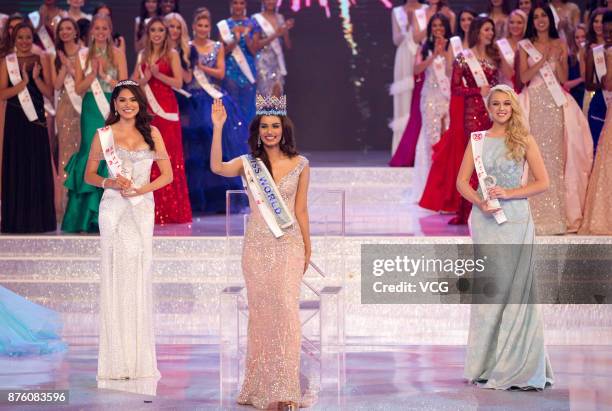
439 68
485 181
182 92
266 195
202 80
546 72
475 68
399 13
506 51
555 15
228 37
114 163
456 45
152 100
599 58
12 66
421 18
276 45
75 99
43 34
48 105
96 88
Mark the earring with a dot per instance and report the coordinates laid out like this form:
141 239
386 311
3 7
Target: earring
283 140
259 141
116 113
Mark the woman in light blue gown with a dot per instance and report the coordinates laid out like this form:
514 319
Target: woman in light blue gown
27 328
506 338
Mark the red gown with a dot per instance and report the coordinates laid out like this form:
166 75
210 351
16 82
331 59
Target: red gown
172 201
467 114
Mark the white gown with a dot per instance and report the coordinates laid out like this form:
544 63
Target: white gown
127 339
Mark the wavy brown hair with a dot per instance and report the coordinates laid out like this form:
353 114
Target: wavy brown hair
287 143
474 37
59 44
143 118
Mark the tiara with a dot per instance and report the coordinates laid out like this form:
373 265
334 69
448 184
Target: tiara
271 105
127 83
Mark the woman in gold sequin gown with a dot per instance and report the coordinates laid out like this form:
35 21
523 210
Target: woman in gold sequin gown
272 267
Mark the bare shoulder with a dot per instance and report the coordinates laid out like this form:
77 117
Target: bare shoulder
155 132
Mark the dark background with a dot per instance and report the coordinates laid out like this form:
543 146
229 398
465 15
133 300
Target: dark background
338 100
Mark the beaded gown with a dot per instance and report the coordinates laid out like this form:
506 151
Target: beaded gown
273 271
269 72
127 339
506 337
172 201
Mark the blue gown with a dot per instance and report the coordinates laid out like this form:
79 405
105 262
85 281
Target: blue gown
27 328
235 83
506 338
206 189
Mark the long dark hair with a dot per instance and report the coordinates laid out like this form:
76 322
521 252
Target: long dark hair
531 32
591 37
474 36
5 38
458 30
144 14
506 7
143 118
23 25
430 43
287 143
59 44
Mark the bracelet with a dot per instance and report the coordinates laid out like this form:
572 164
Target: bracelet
104 182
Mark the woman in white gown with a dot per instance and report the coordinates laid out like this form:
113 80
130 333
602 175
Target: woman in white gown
129 145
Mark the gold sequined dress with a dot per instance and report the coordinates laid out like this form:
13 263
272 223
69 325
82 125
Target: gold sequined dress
273 271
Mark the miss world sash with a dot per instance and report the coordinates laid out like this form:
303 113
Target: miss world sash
506 51
43 34
237 53
546 72
12 65
475 68
439 69
75 99
266 195
152 100
599 58
275 44
456 45
202 80
96 88
484 180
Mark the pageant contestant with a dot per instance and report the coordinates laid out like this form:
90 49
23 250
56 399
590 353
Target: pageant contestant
68 108
597 216
499 10
167 6
475 71
464 19
158 70
557 123
525 6
276 251
148 9
207 189
99 67
75 12
44 20
506 339
240 72
576 40
129 145
270 60
517 24
434 59
568 13
27 173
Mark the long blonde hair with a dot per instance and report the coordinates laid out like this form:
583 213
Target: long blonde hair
516 131
184 40
147 52
110 55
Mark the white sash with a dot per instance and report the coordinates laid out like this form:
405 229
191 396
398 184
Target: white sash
12 66
399 13
275 44
228 37
456 45
202 80
506 51
421 18
555 15
113 162
439 68
485 181
546 72
75 99
96 88
48 105
43 34
182 92
475 68
152 100
266 195
599 58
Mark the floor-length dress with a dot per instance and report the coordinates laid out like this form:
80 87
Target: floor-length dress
597 115
172 201
27 328
235 82
207 189
467 114
27 172
81 213
434 112
273 271
68 122
269 74
127 340
597 217
506 338
406 149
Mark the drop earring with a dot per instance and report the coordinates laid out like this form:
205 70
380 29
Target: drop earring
259 141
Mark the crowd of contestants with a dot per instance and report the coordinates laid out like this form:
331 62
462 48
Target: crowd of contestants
65 63
560 61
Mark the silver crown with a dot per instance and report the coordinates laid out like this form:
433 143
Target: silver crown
126 83
271 105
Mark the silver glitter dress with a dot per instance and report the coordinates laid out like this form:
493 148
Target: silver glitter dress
127 340
273 271
268 68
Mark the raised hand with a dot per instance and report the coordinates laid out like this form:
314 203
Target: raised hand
36 70
147 74
24 74
218 114
154 70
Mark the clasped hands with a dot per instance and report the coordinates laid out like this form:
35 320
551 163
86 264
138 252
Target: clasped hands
125 186
495 192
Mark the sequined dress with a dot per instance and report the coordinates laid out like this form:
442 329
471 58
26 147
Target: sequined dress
172 201
506 337
273 271
268 68
127 340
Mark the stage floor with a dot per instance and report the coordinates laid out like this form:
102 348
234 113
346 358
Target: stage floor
378 378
